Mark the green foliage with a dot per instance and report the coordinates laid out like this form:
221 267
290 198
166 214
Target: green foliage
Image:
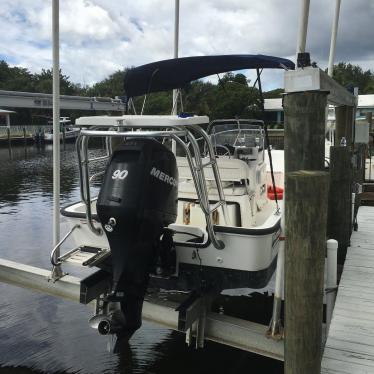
43 83
109 87
231 97
353 75
20 79
159 103
274 94
15 78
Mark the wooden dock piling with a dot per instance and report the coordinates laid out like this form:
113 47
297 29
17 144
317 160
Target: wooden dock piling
343 124
306 214
305 222
304 130
340 199
369 118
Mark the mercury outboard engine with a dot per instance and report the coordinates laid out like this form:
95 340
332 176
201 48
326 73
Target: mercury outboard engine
137 200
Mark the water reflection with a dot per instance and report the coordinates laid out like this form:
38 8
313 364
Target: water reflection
41 333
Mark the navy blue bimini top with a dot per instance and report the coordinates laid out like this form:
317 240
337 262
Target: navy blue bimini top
176 73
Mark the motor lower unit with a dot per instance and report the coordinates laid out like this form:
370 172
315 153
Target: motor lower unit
137 200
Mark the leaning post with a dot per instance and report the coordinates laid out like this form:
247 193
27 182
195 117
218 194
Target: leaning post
306 213
305 228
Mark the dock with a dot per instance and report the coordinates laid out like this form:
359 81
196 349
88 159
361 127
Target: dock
350 344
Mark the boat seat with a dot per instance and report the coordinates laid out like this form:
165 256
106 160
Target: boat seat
230 169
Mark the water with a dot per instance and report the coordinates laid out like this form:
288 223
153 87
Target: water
44 334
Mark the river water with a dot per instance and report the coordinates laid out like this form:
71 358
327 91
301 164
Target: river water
45 334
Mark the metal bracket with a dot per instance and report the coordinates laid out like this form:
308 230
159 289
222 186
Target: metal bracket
331 289
56 274
192 317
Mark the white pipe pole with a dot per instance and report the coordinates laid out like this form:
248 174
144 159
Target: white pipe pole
334 32
303 27
331 278
8 121
275 330
176 48
56 129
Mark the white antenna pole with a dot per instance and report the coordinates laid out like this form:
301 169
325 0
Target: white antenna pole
334 32
56 132
176 47
303 27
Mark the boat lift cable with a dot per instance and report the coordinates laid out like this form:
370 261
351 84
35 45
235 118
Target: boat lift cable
267 137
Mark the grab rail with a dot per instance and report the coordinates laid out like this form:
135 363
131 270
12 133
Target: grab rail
56 261
194 160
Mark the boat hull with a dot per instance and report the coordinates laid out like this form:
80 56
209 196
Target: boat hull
69 136
248 259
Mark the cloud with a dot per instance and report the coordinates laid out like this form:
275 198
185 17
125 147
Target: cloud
99 37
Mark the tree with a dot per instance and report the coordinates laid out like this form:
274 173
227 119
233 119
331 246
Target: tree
274 94
43 83
349 75
15 78
237 78
111 86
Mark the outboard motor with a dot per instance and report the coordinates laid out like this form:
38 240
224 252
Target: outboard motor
138 198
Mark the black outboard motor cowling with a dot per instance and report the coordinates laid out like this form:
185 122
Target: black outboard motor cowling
138 198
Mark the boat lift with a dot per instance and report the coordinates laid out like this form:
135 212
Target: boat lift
234 332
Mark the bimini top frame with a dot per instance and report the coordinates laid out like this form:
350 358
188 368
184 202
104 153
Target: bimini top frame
182 130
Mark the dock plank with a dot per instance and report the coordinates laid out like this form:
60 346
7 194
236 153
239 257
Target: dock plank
350 343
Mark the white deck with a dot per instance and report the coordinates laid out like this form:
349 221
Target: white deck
350 343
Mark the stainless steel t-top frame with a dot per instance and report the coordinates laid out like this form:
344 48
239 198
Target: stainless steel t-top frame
183 135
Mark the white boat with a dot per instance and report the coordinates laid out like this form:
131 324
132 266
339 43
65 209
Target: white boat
199 222
71 133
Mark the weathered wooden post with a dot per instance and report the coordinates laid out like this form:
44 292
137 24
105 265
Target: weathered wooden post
344 124
63 134
340 196
306 213
340 119
304 130
305 218
349 125
340 211
369 118
360 159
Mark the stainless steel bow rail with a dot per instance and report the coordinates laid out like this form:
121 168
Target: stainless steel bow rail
185 136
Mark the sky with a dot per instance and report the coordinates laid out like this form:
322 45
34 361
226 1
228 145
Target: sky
98 37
